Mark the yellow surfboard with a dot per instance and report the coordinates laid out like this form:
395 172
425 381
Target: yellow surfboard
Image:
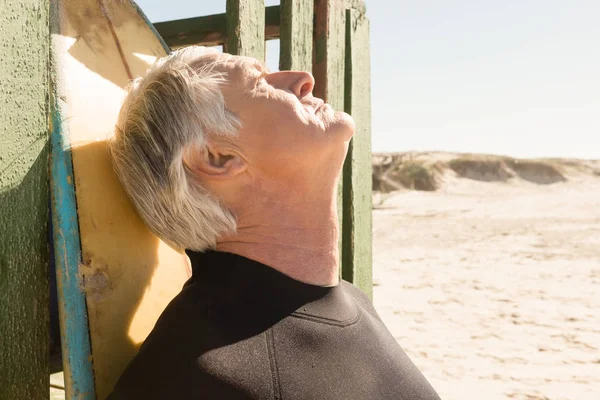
127 274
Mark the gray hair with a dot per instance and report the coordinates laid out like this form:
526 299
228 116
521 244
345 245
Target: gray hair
175 106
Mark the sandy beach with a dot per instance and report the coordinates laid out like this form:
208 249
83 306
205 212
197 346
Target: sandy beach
493 287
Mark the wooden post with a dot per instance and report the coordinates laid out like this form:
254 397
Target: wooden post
246 28
329 50
357 256
296 35
24 255
328 64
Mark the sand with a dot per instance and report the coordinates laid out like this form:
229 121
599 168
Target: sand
493 288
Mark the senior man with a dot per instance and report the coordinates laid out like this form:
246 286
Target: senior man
239 166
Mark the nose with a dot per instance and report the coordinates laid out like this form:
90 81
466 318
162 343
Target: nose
300 83
304 84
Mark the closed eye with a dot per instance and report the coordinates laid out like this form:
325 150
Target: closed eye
263 72
262 79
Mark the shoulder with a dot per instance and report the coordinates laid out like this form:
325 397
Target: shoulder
360 297
354 292
190 304
166 364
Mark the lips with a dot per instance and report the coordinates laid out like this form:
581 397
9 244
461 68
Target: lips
314 105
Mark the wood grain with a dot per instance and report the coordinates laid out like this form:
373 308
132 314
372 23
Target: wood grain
245 28
357 257
296 35
329 63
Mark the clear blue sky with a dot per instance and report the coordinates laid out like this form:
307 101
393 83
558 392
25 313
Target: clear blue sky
514 77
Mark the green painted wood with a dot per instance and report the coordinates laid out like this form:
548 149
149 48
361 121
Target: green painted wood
210 30
358 5
329 51
296 35
24 254
357 258
328 65
245 28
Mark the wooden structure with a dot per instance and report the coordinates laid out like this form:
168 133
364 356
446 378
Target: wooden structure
114 276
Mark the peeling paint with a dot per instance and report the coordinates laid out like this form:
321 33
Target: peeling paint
75 340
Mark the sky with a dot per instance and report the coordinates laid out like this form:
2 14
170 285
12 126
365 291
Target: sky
518 78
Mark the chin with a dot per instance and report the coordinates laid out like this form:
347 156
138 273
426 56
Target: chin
345 124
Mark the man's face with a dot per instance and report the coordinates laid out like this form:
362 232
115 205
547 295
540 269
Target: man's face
286 133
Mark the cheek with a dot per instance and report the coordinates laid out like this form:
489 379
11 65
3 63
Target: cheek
280 156
280 136
278 129
299 146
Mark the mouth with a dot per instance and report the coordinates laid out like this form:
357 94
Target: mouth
313 105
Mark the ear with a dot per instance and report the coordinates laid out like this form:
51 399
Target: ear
214 161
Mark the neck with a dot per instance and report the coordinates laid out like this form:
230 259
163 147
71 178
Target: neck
300 241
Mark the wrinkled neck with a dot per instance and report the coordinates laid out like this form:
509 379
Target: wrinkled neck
300 241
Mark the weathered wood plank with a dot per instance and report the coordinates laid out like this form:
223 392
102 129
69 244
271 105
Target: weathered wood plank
77 361
24 254
329 51
357 256
328 63
296 35
358 5
210 30
245 28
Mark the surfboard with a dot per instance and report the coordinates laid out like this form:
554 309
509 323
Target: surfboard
114 276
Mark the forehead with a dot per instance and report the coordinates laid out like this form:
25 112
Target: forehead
241 75
235 67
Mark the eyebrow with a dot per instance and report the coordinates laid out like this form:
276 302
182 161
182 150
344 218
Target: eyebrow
260 67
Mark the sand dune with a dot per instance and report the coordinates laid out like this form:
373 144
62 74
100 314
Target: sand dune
489 276
430 171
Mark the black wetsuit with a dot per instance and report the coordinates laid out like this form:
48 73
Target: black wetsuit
242 330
